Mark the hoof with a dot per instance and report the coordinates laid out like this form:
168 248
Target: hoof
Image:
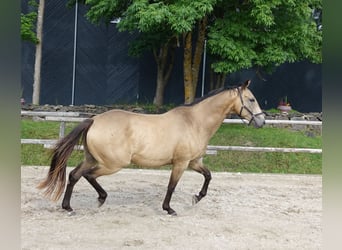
67 208
173 213
71 213
195 199
101 201
170 211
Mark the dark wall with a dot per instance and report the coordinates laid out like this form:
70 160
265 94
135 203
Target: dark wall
174 91
301 82
57 51
27 62
105 74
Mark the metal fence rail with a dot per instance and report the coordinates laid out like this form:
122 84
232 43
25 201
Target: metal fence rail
266 149
289 122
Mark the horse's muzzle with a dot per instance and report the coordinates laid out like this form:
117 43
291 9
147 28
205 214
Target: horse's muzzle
258 121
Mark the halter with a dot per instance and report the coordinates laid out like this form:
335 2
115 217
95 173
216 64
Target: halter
246 108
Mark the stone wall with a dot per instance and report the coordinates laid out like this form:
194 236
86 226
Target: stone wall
310 130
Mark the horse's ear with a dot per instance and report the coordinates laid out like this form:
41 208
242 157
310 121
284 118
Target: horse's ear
246 84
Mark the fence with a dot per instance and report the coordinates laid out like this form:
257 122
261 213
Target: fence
64 117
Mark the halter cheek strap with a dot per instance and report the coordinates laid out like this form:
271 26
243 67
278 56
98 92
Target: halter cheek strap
243 106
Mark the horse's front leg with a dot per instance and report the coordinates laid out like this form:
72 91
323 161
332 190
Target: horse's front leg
198 166
176 173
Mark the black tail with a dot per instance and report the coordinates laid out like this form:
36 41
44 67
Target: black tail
55 180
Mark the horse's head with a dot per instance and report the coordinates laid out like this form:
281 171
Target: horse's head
247 106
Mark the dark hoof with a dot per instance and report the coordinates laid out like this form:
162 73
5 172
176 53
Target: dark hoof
67 208
101 201
195 199
172 213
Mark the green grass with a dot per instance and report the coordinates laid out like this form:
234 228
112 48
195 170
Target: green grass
265 162
233 161
37 154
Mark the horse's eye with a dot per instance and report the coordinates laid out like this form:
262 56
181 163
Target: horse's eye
252 100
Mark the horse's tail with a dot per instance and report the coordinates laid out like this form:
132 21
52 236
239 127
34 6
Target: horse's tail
55 180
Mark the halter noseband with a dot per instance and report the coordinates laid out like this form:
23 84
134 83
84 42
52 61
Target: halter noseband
243 106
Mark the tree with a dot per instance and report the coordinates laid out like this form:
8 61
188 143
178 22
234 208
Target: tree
29 22
161 25
149 19
241 34
27 27
164 55
189 19
263 34
192 60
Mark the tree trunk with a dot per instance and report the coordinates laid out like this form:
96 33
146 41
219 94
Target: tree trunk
192 62
216 80
189 94
221 77
202 24
159 95
165 62
38 57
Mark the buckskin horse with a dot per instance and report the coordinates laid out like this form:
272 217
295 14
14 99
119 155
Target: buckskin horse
116 138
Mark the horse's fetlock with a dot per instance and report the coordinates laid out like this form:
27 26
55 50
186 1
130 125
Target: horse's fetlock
166 207
67 207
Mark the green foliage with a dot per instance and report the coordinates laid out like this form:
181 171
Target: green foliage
156 21
106 10
264 34
28 24
177 16
241 34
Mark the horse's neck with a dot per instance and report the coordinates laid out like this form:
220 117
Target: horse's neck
212 111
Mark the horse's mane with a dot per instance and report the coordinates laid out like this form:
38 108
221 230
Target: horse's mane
211 93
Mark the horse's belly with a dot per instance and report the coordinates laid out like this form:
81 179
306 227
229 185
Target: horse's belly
148 160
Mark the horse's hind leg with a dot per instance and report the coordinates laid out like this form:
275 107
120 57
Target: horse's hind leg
74 176
198 166
100 170
89 176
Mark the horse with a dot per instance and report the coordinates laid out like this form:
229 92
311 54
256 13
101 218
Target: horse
116 138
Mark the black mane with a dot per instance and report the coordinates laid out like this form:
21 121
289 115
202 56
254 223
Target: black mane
210 94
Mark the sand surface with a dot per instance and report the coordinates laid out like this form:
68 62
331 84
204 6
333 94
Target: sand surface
241 211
